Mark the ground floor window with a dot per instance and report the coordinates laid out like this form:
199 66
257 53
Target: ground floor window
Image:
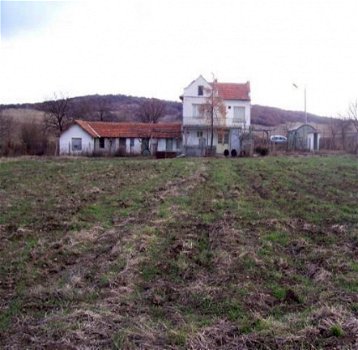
199 134
131 142
223 137
101 142
226 137
76 144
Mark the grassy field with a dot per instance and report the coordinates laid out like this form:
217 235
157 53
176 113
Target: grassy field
179 254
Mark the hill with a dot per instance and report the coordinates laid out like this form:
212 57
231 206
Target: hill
125 108
271 116
179 254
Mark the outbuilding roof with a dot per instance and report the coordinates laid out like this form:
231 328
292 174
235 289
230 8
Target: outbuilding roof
298 126
136 130
234 91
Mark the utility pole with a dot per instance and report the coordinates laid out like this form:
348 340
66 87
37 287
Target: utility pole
305 105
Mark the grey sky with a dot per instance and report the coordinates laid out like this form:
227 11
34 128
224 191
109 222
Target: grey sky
23 17
156 47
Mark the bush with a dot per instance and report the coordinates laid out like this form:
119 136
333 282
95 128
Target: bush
34 139
226 153
336 331
263 151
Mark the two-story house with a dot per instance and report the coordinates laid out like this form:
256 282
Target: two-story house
229 122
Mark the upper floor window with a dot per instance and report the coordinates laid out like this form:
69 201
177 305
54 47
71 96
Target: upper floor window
200 90
239 114
196 110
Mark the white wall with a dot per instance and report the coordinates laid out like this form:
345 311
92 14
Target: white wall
75 131
190 97
230 112
310 141
162 145
136 148
190 137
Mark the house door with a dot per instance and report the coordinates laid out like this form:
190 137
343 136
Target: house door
169 145
122 145
202 145
315 141
145 147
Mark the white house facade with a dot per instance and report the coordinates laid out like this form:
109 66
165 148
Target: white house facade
96 138
229 124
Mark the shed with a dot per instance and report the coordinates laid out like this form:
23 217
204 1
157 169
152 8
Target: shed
303 138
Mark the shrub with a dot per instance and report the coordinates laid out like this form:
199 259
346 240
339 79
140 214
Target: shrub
263 151
337 331
34 139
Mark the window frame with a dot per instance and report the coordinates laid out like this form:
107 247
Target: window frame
200 90
196 110
238 118
76 148
224 137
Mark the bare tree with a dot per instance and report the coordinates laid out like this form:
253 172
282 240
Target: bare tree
102 108
79 109
333 133
344 126
213 109
6 128
34 138
352 114
151 110
57 113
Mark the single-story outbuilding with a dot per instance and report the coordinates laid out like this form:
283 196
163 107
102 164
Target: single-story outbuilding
110 138
303 138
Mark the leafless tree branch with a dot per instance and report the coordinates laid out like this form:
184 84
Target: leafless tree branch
57 113
151 110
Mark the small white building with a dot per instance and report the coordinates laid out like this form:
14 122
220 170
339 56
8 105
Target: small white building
303 137
96 138
229 126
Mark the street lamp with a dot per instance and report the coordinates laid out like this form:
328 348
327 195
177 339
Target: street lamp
304 100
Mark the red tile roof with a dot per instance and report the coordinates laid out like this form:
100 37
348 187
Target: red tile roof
139 130
231 91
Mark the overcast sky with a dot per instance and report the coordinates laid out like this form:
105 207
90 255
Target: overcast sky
155 48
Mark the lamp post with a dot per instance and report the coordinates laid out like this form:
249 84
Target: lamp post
304 100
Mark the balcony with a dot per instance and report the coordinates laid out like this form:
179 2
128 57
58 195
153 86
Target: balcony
224 122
